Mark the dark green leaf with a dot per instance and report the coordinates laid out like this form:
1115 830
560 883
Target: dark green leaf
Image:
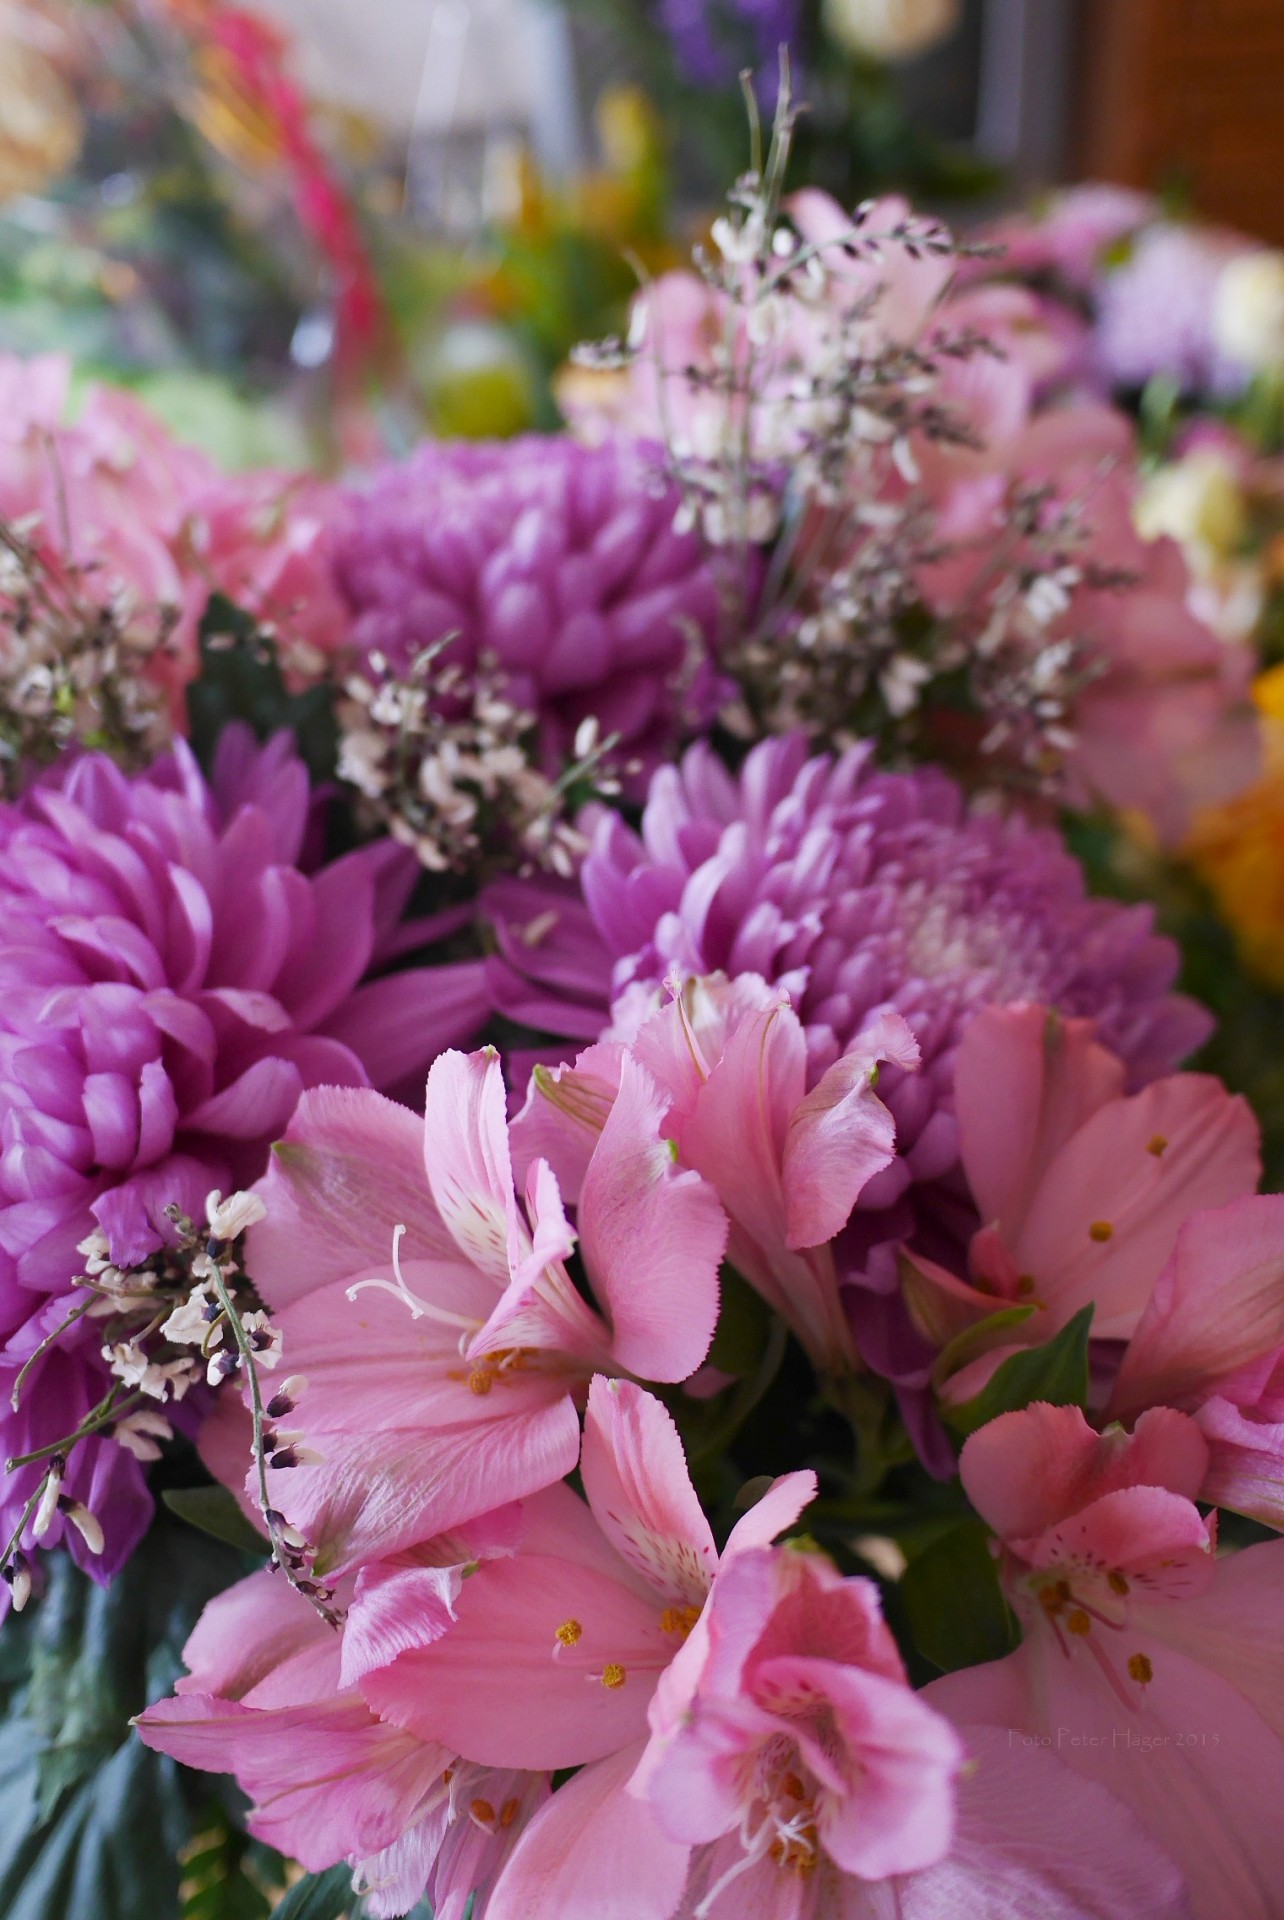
215 1511
226 1875
953 1601
740 1338
1056 1372
321 1896
91 1821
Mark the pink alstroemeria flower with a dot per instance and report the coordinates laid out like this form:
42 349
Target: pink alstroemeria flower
433 1315
787 1165
1148 1664
1211 1341
265 1699
555 1651
1082 1190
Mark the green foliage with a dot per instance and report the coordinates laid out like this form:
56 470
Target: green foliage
953 1602
241 679
320 1896
226 1875
215 1510
92 1823
1056 1372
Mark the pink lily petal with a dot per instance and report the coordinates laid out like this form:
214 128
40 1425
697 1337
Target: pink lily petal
291 1761
652 1236
635 1476
1107 1212
1054 1077
465 1145
1027 1471
593 1853
512 1690
1217 1306
349 1170
1019 1848
375 1493
840 1135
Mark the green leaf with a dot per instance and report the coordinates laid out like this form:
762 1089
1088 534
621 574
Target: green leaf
1056 1372
228 1876
91 1821
216 1511
321 1896
954 1603
740 1337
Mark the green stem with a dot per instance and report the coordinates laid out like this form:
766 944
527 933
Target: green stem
104 1414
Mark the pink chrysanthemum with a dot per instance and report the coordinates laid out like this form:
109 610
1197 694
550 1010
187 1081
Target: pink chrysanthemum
857 891
558 562
173 980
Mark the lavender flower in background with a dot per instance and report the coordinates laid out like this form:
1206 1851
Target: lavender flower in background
555 571
173 981
713 39
1155 310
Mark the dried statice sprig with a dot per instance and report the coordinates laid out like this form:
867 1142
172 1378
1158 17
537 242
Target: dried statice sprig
187 1314
800 427
445 760
73 664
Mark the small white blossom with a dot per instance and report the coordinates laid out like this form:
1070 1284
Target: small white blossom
229 1218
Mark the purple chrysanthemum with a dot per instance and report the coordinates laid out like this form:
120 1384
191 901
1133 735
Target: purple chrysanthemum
172 981
857 891
559 562
1155 310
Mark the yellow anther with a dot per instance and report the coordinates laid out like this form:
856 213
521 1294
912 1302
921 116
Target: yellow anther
508 1813
1101 1230
613 1676
1140 1669
679 1620
569 1633
792 1787
447 1776
1077 1621
480 1381
1156 1144
1116 1581
483 1811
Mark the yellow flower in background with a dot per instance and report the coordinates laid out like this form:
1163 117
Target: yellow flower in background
1237 848
40 124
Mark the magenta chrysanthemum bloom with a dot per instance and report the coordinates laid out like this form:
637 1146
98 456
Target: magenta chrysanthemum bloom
172 981
857 891
558 561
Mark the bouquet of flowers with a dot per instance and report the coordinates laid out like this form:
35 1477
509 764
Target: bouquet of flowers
571 1116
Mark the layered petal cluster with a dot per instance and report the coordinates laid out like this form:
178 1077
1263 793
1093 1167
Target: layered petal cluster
267 1698
1150 1665
741 1731
1082 1189
434 1313
1141 1207
558 563
173 979
858 892
787 1165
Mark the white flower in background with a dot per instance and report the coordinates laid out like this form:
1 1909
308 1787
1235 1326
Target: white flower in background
1248 311
890 29
1198 502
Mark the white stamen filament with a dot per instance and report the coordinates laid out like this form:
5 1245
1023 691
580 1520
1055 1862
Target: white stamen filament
419 1309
